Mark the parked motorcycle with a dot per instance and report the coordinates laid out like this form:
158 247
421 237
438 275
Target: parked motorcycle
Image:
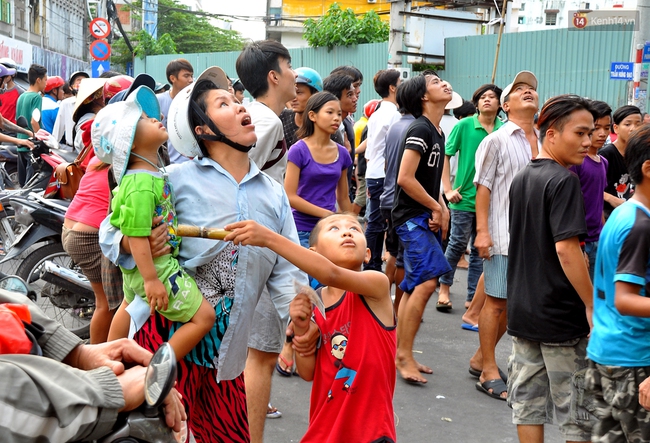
9 165
63 292
43 160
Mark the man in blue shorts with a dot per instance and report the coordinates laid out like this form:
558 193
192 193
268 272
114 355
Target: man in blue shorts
420 215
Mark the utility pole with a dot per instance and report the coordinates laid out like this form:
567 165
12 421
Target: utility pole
396 37
496 54
641 36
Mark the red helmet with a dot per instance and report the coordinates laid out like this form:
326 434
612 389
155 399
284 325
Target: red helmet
370 107
116 84
53 82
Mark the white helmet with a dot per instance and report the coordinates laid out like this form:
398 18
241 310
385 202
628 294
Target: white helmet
179 127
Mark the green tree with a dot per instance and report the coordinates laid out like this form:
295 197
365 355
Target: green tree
179 31
340 27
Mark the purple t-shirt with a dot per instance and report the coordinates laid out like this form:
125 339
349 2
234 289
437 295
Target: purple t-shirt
317 182
593 180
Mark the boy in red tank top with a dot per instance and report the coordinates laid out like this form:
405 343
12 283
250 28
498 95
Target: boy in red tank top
354 368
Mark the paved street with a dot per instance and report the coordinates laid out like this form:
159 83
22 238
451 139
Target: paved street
447 409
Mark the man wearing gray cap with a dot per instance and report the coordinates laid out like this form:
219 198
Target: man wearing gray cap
498 159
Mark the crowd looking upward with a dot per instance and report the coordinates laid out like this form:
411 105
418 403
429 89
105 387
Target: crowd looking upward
549 197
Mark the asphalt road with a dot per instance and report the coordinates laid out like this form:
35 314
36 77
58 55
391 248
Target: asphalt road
447 409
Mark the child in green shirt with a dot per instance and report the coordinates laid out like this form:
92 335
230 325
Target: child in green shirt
128 134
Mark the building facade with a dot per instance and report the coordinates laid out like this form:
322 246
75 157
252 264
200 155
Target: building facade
539 15
53 33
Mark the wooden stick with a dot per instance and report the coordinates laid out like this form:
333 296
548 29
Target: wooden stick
496 55
201 231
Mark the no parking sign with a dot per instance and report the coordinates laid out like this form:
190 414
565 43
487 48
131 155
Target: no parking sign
100 50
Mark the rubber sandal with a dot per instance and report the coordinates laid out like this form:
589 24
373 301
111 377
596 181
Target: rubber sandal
289 365
477 373
497 385
272 412
468 327
443 306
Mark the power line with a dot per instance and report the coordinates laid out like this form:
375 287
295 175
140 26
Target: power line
262 18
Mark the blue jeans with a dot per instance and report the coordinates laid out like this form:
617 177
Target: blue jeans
591 249
376 223
463 229
303 236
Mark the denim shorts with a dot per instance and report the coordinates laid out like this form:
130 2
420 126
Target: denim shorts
544 378
303 236
495 272
423 256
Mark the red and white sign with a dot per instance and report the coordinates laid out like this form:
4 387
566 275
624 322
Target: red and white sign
100 28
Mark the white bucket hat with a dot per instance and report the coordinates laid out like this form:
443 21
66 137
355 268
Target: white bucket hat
179 127
114 127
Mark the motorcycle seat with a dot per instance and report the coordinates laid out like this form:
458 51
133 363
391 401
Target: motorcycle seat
56 203
65 155
9 151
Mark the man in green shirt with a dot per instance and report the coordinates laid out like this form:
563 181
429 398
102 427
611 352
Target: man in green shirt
29 106
464 139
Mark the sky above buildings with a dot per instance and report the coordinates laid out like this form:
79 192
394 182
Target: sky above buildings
250 26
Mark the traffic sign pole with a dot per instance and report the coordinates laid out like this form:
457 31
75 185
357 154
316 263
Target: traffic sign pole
100 50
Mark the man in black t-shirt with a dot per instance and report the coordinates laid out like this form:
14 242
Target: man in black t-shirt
619 184
549 289
419 214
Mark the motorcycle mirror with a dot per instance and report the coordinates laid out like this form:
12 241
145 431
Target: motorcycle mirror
14 284
160 376
22 122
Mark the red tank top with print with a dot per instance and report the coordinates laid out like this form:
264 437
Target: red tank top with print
354 378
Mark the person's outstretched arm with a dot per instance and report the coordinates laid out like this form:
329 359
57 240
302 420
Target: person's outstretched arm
373 285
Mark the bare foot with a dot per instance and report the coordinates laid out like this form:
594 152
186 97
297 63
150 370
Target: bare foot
467 319
409 371
424 369
463 263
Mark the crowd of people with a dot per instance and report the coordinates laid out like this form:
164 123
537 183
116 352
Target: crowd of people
323 215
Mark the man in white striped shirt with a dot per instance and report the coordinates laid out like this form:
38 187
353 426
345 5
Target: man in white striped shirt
498 159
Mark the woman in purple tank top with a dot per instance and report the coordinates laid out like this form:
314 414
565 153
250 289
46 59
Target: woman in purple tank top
315 181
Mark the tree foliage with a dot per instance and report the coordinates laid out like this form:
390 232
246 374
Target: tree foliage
339 27
179 31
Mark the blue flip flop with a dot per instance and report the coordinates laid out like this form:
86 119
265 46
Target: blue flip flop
468 327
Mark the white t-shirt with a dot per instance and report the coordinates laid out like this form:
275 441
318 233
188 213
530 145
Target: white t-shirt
270 141
378 125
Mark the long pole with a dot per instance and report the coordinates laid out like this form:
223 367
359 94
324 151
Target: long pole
496 56
641 36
